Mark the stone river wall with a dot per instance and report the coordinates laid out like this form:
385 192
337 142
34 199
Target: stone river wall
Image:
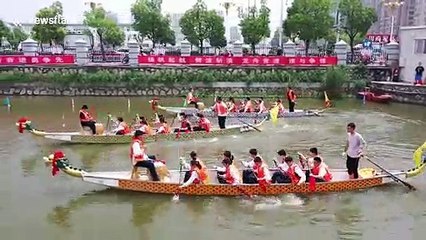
401 92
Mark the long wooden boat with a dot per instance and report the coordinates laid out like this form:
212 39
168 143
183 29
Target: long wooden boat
371 97
121 180
210 113
82 138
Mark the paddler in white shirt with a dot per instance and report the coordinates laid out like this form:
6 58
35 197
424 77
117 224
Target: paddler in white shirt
139 157
231 175
295 173
248 174
280 176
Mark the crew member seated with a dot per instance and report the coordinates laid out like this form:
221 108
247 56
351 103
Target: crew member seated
144 127
194 157
86 120
185 125
227 155
248 175
197 174
281 176
164 127
231 174
122 128
139 157
261 171
295 173
203 123
320 171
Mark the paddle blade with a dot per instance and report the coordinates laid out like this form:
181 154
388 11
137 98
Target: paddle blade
175 198
273 113
312 184
327 101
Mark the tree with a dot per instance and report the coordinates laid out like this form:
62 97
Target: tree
151 23
356 20
4 31
217 30
16 36
199 24
255 25
309 19
51 32
114 35
97 18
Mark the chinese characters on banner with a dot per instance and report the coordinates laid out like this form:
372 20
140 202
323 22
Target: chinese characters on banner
381 38
37 60
236 61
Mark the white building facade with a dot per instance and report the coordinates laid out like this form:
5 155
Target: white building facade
412 50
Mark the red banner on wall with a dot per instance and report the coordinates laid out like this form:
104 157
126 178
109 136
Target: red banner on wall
238 61
37 60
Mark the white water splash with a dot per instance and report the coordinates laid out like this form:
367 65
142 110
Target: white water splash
214 140
292 200
268 204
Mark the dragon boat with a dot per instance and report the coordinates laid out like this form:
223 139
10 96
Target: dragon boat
82 137
122 180
210 113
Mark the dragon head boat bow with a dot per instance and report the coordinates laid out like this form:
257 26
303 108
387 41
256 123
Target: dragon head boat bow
121 180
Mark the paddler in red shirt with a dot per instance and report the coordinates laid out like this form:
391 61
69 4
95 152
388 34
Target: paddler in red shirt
86 119
222 111
248 107
203 123
291 97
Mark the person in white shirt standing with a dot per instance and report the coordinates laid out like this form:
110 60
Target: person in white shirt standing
355 145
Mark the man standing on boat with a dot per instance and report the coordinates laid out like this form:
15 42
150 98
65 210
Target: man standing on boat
291 97
139 157
86 120
222 111
355 145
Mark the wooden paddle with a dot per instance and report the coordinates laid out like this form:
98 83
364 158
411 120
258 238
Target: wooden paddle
248 124
395 178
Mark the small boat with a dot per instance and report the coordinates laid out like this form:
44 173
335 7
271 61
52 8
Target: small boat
209 113
122 180
83 137
371 97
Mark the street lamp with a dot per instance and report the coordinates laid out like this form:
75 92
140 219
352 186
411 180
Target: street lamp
392 5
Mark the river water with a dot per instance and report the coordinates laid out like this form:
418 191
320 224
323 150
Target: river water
35 205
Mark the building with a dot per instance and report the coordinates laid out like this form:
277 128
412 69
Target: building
174 24
413 13
412 50
384 18
235 34
113 16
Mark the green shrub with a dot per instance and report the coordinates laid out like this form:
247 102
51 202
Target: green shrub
333 79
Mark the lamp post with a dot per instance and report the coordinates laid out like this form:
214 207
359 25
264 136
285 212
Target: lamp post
392 5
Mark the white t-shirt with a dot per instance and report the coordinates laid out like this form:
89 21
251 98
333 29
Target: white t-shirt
356 144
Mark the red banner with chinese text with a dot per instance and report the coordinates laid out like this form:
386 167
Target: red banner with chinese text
36 60
238 61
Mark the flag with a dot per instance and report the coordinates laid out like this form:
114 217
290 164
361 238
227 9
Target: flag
419 155
273 113
185 103
327 100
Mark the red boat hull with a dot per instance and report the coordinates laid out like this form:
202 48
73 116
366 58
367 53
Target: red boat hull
371 97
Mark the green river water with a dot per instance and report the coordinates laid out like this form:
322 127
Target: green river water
35 205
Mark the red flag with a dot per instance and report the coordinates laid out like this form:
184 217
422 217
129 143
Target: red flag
312 184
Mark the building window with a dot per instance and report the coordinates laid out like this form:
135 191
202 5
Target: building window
420 46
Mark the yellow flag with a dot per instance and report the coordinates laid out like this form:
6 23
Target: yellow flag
419 154
273 113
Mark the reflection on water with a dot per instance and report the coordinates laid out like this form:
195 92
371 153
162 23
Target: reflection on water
67 208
